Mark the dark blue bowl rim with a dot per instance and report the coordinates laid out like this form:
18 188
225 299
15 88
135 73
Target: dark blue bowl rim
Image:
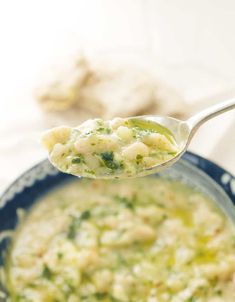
222 177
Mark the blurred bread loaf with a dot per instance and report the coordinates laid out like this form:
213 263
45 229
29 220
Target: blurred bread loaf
102 90
123 92
62 87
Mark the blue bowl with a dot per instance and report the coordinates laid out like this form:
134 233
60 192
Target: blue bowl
192 169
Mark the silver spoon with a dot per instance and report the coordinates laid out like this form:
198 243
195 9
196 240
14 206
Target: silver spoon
184 131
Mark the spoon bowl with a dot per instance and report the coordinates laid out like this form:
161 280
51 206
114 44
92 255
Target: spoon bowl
179 129
182 131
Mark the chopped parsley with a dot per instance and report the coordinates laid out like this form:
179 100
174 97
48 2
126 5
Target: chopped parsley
46 272
85 215
76 222
60 255
192 299
139 159
78 159
103 130
109 161
128 203
100 297
89 171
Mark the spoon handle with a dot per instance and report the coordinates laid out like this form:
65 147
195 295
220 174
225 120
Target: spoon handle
200 118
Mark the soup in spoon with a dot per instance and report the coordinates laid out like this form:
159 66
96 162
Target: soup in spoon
118 148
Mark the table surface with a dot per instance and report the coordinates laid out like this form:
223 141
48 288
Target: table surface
180 40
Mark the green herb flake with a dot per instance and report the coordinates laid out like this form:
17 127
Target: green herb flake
85 215
103 130
128 203
78 159
46 272
218 292
100 296
76 223
89 172
192 299
104 296
108 160
139 159
60 255
107 156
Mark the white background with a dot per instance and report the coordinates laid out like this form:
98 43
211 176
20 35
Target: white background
189 43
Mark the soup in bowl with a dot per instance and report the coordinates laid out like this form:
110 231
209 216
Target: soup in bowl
170 237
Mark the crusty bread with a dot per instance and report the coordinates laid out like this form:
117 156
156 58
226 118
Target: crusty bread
62 86
106 91
125 92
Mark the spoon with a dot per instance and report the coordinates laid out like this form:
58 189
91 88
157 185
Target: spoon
183 131
91 150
